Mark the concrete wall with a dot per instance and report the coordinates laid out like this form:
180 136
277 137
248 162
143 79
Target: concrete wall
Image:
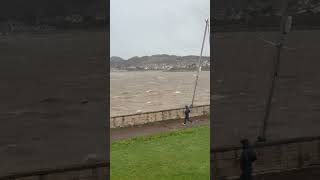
272 156
143 118
98 171
97 174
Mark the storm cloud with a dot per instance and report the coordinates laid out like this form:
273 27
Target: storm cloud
148 27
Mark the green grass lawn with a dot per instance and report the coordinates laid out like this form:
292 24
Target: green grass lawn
182 154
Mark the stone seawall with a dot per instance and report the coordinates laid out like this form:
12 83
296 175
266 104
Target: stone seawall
92 171
273 156
149 117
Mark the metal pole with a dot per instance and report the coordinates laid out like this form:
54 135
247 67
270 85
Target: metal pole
209 24
262 136
200 58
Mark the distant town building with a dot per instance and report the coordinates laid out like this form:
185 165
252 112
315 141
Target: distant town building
74 18
237 9
14 26
58 12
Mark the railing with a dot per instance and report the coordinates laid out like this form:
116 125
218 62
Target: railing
149 117
94 171
272 156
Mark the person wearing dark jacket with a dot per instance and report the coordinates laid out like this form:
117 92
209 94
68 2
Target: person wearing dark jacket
186 115
248 156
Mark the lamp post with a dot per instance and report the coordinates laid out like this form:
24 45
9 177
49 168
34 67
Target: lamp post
200 62
285 27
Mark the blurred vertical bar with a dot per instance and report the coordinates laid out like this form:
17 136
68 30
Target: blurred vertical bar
54 84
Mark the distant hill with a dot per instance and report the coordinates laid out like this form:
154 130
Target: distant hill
264 13
155 60
58 13
116 62
19 9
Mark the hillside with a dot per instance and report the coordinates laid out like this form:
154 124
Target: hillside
156 62
266 15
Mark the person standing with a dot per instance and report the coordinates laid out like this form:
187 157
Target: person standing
248 156
186 115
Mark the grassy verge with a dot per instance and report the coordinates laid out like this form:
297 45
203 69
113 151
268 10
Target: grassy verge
178 155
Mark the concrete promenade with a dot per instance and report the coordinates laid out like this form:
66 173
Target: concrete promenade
154 128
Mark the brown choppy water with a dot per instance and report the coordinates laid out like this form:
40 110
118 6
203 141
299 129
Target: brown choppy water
133 92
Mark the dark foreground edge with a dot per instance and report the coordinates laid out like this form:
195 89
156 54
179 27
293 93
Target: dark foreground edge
266 144
44 172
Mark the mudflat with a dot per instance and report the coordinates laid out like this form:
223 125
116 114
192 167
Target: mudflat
146 91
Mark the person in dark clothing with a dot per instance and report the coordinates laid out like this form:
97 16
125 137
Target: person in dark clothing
186 115
248 156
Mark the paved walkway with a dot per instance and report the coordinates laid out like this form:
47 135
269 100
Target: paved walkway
154 128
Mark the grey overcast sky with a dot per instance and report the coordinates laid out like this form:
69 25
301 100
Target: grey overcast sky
148 27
